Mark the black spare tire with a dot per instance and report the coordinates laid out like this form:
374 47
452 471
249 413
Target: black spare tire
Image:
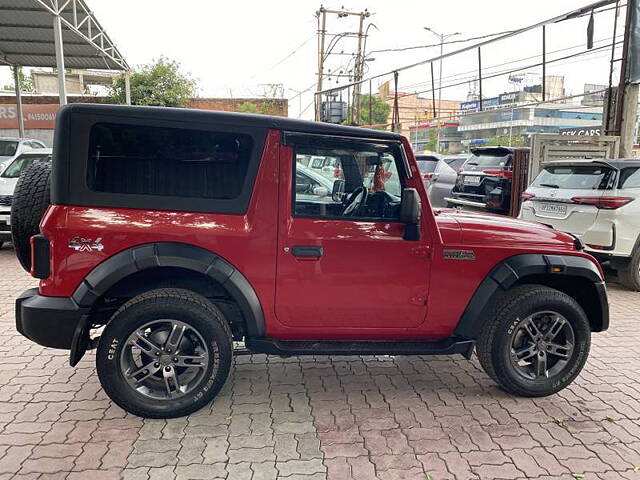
31 198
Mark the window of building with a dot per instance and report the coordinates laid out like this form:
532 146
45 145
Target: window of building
148 160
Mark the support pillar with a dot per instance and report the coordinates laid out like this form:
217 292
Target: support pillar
57 37
629 119
16 80
127 87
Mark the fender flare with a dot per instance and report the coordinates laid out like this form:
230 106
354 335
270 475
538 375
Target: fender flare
170 254
509 271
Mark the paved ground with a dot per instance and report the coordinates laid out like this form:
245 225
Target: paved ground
316 418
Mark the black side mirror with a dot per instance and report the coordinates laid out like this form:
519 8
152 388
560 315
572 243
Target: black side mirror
410 210
337 193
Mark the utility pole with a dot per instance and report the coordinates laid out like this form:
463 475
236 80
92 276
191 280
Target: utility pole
322 31
627 98
442 37
324 52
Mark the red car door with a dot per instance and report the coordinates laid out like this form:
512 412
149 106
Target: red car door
343 267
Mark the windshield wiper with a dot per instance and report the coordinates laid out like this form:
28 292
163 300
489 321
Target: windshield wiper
471 163
550 185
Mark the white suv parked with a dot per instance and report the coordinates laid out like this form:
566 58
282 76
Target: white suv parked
597 201
8 180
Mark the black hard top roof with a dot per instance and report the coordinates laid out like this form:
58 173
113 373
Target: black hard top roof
230 118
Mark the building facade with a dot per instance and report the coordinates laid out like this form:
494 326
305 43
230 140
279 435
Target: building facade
478 128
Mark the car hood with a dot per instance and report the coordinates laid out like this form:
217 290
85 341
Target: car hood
484 228
7 185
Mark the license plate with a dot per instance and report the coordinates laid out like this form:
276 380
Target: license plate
471 180
553 209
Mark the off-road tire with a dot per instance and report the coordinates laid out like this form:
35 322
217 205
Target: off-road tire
172 303
494 345
629 275
31 198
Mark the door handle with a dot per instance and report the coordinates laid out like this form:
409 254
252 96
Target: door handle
307 251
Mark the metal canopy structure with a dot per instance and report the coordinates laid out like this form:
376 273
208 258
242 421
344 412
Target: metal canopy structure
55 33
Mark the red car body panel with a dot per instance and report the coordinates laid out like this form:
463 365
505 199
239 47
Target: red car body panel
369 284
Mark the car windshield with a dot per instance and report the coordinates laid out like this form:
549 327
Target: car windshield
579 177
8 148
19 164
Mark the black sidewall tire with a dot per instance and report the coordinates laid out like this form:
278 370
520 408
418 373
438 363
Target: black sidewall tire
547 299
31 198
118 330
629 276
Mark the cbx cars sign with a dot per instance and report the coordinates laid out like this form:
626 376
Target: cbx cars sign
584 131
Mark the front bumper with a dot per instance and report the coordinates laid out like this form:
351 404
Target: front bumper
49 321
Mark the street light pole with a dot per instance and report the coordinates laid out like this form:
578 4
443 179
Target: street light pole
442 37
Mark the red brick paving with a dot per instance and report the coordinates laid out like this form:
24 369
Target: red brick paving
315 418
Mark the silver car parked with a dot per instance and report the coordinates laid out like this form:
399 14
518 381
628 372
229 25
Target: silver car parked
438 178
10 148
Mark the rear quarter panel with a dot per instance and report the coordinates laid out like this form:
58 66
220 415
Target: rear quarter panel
246 241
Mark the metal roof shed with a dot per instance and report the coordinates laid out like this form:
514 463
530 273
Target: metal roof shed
58 34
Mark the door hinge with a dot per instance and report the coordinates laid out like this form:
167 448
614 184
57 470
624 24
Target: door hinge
422 252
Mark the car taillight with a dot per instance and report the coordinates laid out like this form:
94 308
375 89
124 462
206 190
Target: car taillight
524 196
499 173
337 173
430 176
607 203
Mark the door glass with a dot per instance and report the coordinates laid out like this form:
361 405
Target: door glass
347 183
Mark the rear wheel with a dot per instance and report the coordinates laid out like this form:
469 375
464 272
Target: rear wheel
165 353
629 275
537 342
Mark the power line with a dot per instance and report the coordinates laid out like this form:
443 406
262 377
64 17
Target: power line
415 47
505 72
491 67
560 18
287 57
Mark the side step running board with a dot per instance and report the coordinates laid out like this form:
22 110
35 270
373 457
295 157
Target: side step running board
300 347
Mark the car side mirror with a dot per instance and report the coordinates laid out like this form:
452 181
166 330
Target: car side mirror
410 210
338 190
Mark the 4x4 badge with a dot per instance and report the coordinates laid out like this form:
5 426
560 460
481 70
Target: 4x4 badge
80 244
458 255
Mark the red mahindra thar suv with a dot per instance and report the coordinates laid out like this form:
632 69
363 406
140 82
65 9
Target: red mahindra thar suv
170 234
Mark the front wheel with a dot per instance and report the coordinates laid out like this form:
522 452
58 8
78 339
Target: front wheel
165 353
537 342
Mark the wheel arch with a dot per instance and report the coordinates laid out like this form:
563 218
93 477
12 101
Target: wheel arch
576 276
174 255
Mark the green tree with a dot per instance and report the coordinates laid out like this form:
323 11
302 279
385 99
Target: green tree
433 139
159 83
248 107
503 140
372 111
26 84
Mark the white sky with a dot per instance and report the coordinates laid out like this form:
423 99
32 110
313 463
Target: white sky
233 47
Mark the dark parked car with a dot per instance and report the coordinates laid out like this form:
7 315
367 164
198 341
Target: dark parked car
485 180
